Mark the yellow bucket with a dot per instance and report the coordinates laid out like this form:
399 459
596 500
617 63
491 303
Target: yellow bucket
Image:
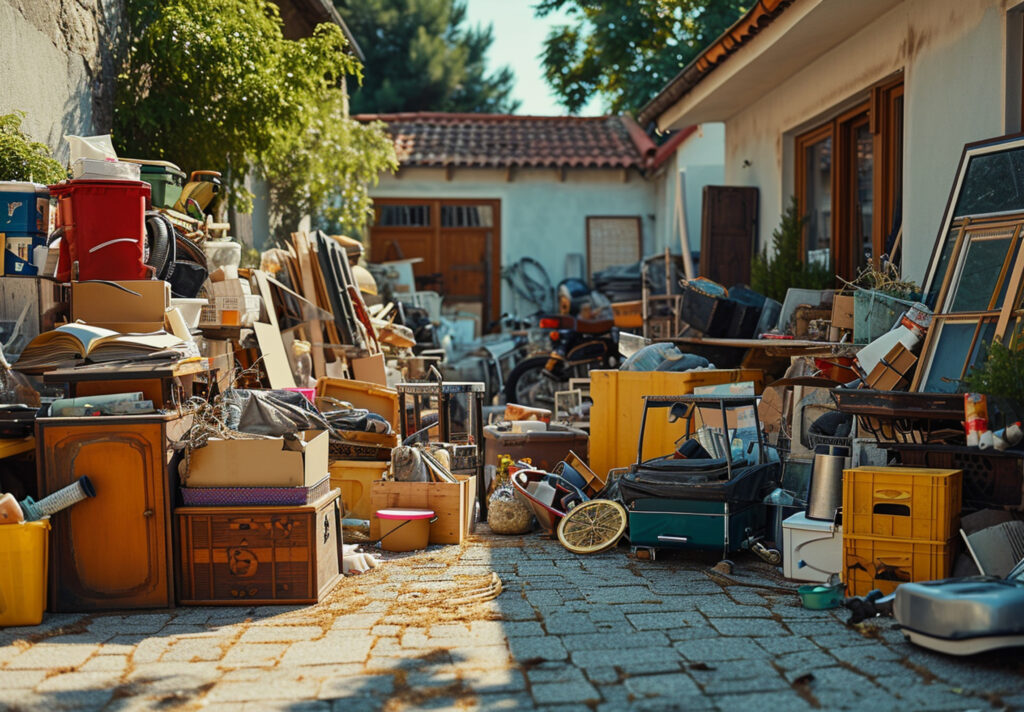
23 563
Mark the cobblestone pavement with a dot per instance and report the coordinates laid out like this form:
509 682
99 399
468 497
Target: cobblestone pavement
567 633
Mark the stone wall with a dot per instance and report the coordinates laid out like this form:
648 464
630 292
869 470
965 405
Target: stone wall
56 65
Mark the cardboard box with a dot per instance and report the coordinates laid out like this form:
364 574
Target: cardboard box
105 305
270 462
842 311
892 373
452 504
227 304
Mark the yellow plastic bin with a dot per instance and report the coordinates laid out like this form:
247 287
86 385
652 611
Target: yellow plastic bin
619 405
23 563
353 478
404 529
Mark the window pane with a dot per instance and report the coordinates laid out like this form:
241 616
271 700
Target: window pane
404 216
818 200
981 266
864 195
994 183
467 216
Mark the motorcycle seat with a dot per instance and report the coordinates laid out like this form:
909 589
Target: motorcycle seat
594 326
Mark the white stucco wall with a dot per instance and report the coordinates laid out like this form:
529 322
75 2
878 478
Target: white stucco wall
953 55
55 66
700 160
541 216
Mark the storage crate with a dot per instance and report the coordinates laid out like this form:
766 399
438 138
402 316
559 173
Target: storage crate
870 563
544 448
902 502
361 394
705 313
628 315
354 478
618 398
23 564
991 479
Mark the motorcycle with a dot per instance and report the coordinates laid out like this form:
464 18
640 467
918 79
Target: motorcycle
584 336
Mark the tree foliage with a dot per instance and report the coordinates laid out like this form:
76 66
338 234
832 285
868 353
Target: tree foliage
23 159
421 56
773 272
217 86
627 50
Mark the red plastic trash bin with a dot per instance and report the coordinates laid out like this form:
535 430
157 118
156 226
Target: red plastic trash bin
103 228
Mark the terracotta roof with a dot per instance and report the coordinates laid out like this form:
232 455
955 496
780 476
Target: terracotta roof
503 140
758 17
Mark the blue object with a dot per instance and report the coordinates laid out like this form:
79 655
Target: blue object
24 207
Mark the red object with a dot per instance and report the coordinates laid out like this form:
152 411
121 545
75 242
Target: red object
104 229
550 323
836 368
309 393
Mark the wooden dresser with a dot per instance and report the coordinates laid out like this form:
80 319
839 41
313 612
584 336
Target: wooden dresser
112 551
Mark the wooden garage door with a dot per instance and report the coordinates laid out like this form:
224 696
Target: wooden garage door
458 240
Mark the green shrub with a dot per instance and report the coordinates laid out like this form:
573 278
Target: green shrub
23 159
774 272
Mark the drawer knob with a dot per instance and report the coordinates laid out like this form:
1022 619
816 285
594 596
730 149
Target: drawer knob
148 513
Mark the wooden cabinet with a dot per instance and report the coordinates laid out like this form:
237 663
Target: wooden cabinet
245 555
114 550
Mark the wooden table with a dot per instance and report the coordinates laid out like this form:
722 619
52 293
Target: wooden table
16 446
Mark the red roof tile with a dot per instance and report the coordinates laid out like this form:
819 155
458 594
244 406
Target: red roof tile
503 140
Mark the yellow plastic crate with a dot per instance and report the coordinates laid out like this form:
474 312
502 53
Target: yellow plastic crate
353 478
870 563
917 503
619 406
23 564
361 394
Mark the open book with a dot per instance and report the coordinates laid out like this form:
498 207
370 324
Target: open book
70 343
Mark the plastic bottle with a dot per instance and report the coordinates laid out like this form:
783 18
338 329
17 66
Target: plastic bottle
1007 437
303 364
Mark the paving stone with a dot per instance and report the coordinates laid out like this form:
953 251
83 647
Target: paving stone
104 663
78 681
562 623
749 627
52 657
600 641
730 677
555 672
677 686
789 701
193 650
483 682
517 629
330 649
630 656
664 621
547 648
786 644
603 674
259 691
713 649
281 634
551 693
253 654
20 679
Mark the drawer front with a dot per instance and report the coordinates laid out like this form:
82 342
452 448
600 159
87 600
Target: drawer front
328 539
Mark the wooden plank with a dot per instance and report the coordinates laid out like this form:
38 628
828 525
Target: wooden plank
306 279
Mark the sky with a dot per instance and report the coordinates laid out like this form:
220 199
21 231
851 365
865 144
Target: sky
518 42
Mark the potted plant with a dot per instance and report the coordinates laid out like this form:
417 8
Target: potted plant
21 158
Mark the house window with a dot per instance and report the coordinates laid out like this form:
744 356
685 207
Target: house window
849 183
403 215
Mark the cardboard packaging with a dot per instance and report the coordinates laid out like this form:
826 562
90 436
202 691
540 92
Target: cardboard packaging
270 462
452 504
105 305
892 373
227 304
842 312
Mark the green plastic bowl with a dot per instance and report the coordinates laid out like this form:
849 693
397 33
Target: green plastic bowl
820 597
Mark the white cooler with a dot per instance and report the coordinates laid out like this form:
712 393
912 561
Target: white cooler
812 549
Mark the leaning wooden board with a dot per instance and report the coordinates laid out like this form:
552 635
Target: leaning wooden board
239 556
452 503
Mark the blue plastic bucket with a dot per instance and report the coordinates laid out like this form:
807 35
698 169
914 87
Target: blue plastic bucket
24 208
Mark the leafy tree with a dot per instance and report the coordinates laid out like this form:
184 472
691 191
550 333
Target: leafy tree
421 57
773 272
627 50
23 159
217 86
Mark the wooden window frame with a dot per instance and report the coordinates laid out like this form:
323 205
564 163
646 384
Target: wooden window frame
879 110
639 237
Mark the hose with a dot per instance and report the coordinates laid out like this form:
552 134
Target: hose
161 238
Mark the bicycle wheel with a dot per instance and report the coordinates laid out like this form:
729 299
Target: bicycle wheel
593 526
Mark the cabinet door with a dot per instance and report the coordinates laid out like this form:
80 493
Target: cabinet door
109 551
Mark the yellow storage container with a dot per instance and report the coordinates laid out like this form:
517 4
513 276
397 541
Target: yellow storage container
361 394
23 564
917 503
619 406
870 563
353 478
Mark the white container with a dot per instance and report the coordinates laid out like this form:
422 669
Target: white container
95 169
190 309
222 253
812 549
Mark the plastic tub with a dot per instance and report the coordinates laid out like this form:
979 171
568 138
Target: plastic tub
165 178
354 478
190 309
23 564
103 224
404 529
222 253
24 207
102 169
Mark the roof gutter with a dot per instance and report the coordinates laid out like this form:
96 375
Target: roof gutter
762 14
